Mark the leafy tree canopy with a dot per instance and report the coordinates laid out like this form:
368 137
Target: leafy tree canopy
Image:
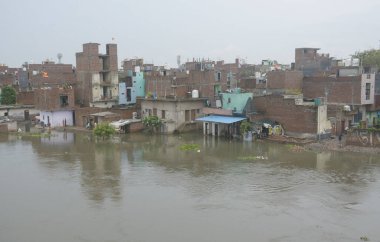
8 95
369 58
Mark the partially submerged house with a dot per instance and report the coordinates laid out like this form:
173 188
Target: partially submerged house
217 125
56 105
233 108
95 118
177 114
124 126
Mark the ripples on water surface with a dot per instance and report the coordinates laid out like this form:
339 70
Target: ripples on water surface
143 188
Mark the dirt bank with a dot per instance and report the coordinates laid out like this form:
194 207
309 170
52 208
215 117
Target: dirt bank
336 145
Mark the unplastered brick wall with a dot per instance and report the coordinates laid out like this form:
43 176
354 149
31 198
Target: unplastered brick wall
344 90
294 118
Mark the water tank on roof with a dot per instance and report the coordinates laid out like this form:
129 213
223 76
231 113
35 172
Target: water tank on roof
195 94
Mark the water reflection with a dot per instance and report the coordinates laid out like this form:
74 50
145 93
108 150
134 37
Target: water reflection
98 162
256 166
229 190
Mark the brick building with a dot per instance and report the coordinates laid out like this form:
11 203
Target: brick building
49 73
8 76
298 118
310 62
56 106
348 97
284 81
97 76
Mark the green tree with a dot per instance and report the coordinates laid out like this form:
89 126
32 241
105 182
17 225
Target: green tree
104 130
8 95
152 123
245 126
368 58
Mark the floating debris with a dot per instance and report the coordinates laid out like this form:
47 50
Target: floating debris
253 158
295 148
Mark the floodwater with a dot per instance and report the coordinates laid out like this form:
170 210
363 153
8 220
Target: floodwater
69 187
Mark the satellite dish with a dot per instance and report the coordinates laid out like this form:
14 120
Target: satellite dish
59 56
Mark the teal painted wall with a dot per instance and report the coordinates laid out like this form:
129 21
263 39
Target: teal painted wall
235 101
138 83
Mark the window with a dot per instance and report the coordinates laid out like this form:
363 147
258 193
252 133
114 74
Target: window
163 114
129 95
64 100
219 76
187 115
229 100
155 111
367 91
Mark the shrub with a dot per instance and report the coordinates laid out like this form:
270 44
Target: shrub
104 130
8 95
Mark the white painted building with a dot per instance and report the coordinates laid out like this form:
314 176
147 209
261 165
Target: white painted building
58 118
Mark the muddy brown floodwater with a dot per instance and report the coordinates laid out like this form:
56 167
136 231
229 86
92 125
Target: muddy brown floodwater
68 187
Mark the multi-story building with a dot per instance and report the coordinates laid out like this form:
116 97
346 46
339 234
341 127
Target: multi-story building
348 95
310 62
97 76
56 105
131 81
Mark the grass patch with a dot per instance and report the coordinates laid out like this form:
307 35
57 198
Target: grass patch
35 135
189 147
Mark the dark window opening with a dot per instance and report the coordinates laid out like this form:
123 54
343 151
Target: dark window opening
129 96
64 100
367 91
163 114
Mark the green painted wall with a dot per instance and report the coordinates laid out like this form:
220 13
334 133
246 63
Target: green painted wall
235 101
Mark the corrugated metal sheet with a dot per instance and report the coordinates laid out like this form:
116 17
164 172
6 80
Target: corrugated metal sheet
220 119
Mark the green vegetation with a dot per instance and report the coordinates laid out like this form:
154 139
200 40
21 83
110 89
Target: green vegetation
8 95
104 130
152 123
189 147
368 58
35 135
149 95
245 126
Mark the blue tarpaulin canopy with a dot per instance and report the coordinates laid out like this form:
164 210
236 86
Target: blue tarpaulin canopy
220 119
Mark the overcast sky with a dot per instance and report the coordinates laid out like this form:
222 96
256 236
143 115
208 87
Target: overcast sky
158 31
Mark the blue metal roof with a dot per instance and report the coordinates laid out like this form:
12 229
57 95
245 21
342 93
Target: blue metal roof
220 119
